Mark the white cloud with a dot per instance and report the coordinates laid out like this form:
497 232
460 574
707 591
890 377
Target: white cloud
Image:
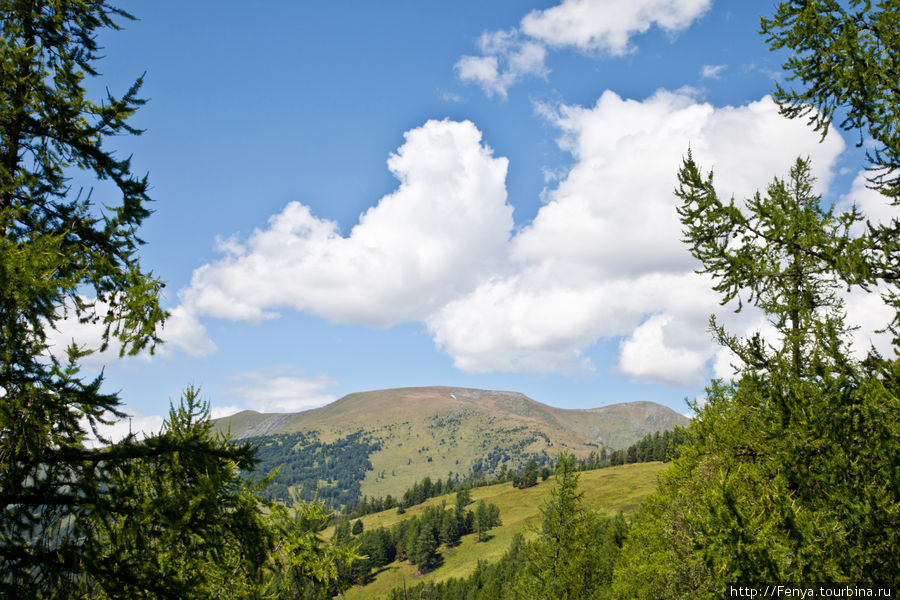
602 259
274 391
438 235
712 71
545 317
868 313
609 25
87 335
605 252
876 207
507 58
647 355
605 26
181 330
483 70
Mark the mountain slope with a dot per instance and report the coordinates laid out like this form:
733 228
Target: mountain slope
433 431
615 426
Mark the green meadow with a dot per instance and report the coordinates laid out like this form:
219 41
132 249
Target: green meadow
607 491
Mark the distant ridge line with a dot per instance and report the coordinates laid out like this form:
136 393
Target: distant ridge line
614 425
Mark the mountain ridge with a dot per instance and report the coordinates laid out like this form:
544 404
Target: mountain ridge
436 430
637 418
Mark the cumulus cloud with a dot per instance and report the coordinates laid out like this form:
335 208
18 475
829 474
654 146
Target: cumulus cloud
609 25
646 354
602 259
605 26
443 230
604 254
546 316
274 391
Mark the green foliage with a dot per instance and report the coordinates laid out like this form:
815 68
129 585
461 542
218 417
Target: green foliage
312 469
553 565
302 565
185 522
792 466
572 555
772 251
790 472
168 516
844 66
489 581
450 532
424 551
845 63
486 516
659 446
55 246
529 476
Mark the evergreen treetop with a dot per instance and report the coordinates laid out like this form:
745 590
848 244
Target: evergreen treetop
168 516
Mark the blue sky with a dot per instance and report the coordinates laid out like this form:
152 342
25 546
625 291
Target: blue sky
360 195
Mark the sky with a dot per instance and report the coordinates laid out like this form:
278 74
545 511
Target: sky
363 195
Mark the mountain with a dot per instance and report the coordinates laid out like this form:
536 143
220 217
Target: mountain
432 431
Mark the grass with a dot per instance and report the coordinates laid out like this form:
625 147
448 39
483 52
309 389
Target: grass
415 448
606 491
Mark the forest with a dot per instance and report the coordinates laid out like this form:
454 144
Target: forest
329 472
789 472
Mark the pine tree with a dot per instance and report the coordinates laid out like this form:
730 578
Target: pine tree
424 554
450 533
562 517
530 476
166 536
482 521
55 244
792 465
844 64
168 516
302 564
790 473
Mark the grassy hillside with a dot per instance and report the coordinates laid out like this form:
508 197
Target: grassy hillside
433 431
606 491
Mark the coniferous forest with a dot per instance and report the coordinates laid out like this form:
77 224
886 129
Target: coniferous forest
790 471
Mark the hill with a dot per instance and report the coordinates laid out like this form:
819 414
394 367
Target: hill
606 491
435 431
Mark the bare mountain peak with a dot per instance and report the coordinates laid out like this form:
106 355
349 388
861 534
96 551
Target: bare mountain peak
614 425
